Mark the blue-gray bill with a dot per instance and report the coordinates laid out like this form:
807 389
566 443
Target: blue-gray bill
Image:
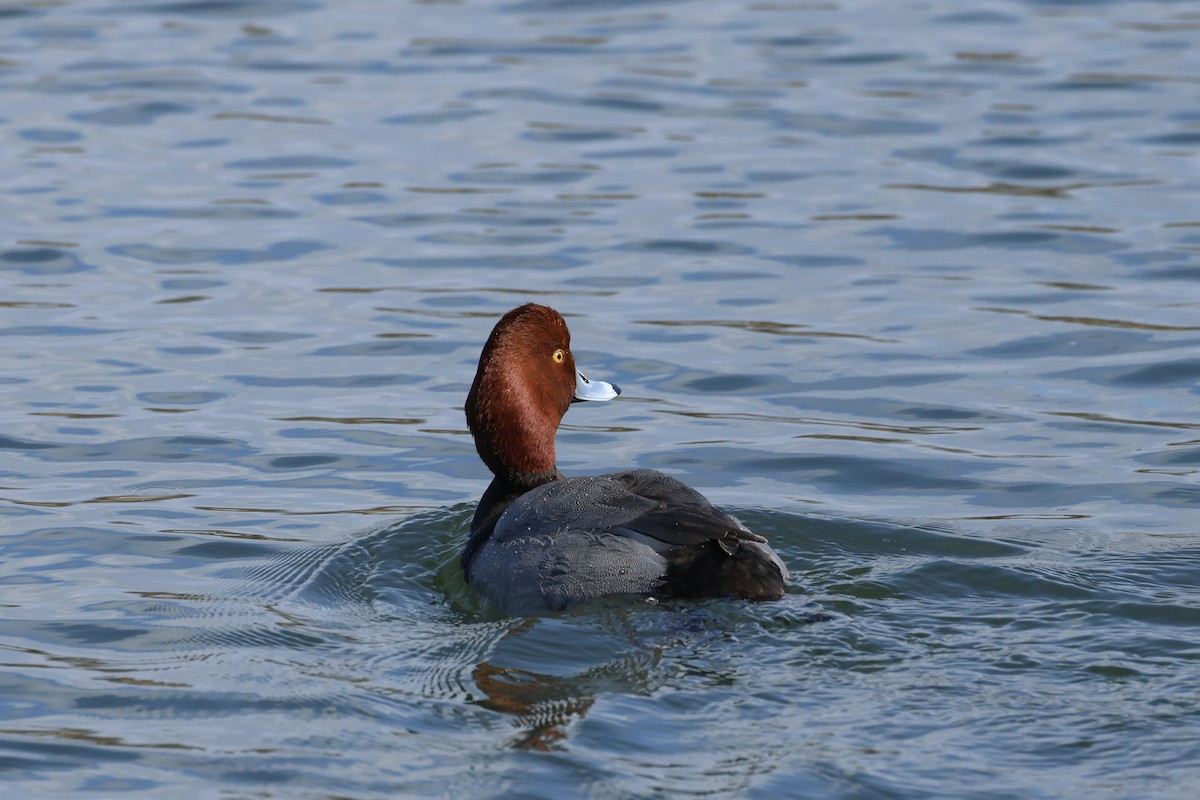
594 390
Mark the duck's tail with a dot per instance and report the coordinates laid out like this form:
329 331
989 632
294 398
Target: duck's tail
725 567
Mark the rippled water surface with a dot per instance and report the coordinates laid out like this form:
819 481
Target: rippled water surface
913 287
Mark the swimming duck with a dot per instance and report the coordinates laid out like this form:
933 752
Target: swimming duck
541 541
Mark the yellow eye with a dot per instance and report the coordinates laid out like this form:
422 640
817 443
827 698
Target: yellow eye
559 356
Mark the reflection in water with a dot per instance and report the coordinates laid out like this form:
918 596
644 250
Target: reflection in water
543 706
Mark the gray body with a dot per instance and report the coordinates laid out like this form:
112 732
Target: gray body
575 539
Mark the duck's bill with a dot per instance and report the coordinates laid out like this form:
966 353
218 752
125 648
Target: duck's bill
594 390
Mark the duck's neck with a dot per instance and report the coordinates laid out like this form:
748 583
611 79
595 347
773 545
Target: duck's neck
514 481
501 493
514 434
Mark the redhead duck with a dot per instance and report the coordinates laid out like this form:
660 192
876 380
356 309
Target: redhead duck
544 542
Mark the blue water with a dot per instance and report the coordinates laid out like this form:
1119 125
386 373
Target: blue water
912 287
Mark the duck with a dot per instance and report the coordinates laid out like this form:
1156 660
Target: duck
544 542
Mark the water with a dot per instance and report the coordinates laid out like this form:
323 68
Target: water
911 287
